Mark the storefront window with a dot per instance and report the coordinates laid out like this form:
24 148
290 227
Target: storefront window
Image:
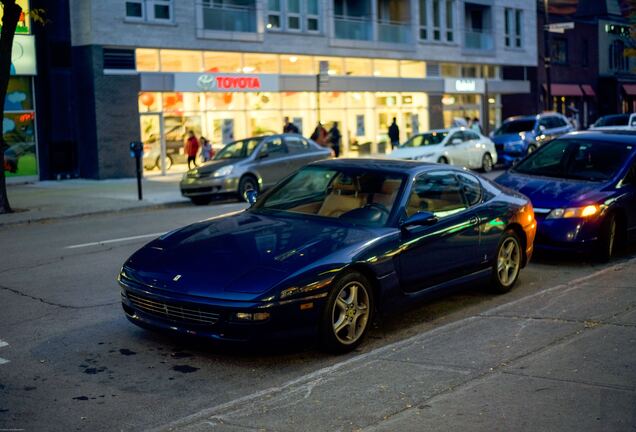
222 62
147 59
181 61
24 23
180 102
412 69
296 65
19 96
449 70
332 100
297 100
386 68
260 63
149 102
225 101
263 101
336 66
358 67
19 133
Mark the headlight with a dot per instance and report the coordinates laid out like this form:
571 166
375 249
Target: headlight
518 146
574 212
425 156
225 171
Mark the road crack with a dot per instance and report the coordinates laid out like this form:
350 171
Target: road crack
49 303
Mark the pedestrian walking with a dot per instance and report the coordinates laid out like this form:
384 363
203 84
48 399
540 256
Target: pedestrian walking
335 137
476 126
394 134
289 127
206 150
320 135
191 149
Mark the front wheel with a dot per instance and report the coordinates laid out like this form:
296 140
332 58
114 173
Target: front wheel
507 264
532 148
607 239
442 160
348 313
247 183
486 163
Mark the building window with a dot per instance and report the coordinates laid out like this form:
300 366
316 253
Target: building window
513 27
149 10
617 59
437 34
423 18
293 15
559 51
450 7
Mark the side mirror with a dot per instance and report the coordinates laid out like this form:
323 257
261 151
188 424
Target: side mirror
250 196
456 141
422 218
541 128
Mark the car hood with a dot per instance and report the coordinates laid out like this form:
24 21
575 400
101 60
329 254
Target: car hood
509 138
214 165
245 252
550 193
411 152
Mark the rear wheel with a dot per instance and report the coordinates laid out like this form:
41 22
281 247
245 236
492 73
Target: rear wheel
442 160
201 200
607 239
486 163
507 264
532 148
348 313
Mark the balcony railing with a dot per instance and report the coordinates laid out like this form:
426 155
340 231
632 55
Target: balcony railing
394 31
228 17
478 39
354 28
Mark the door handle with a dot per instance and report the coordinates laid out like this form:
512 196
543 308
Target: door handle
474 220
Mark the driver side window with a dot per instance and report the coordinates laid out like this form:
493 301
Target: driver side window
275 147
436 192
456 136
630 177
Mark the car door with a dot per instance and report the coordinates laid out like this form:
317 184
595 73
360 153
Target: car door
628 187
445 250
300 152
475 152
272 162
458 152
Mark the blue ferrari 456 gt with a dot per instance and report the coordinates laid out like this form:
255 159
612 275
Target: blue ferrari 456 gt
583 189
328 247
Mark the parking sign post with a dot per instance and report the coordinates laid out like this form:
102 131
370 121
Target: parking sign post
136 151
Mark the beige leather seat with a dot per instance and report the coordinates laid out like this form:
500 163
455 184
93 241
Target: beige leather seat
387 193
342 198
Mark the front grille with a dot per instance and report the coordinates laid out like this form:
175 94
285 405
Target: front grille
185 314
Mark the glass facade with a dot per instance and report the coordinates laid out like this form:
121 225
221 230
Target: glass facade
18 128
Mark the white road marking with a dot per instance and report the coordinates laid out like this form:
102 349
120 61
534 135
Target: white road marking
3 344
117 240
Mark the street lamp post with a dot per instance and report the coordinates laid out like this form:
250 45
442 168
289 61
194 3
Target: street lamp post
547 60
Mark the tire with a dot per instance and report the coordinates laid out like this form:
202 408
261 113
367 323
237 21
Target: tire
201 200
507 265
347 314
486 163
245 184
169 162
607 239
531 149
442 160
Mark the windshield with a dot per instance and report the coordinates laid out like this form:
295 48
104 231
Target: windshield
612 120
238 149
356 196
431 138
576 159
515 126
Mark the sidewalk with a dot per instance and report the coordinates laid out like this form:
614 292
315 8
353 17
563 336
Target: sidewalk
59 199
563 359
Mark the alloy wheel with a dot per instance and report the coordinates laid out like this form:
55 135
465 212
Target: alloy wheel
508 261
487 163
350 313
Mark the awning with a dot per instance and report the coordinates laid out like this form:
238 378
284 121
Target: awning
588 90
630 89
565 90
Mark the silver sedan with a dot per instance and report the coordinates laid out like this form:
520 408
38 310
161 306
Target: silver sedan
253 163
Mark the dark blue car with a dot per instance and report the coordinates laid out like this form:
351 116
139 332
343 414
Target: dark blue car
583 189
328 247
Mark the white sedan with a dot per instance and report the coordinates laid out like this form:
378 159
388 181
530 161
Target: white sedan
456 146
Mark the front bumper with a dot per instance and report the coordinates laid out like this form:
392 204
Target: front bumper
178 314
205 186
573 234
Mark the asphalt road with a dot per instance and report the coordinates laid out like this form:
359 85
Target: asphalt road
69 360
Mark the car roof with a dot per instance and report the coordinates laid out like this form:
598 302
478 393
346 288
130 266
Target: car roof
534 116
389 165
618 136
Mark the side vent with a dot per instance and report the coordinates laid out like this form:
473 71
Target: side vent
122 59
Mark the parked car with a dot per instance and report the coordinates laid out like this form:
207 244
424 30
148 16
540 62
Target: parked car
522 135
253 163
455 146
583 189
328 247
615 122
